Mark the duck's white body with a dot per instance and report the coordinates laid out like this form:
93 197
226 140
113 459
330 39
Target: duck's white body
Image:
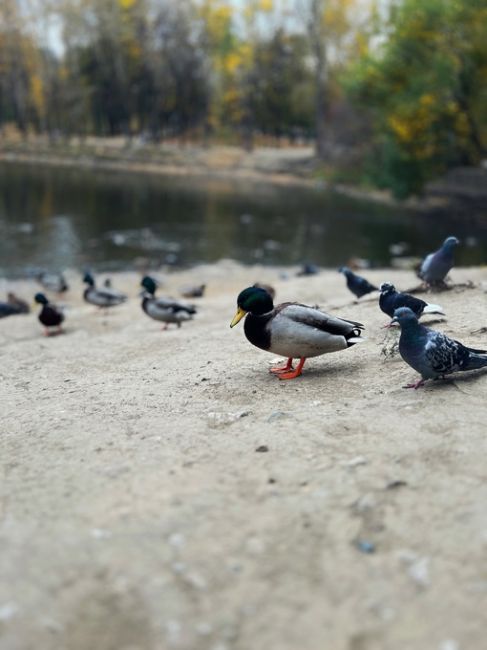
294 335
104 297
166 310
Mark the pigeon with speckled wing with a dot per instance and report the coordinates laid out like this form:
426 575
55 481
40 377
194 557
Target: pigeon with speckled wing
432 353
437 265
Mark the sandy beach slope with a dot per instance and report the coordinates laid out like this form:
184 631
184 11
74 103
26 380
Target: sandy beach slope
136 511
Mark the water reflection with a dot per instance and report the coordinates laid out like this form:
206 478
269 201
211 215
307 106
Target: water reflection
59 218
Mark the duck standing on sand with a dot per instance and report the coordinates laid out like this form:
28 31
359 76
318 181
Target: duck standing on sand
49 316
437 265
164 310
292 330
105 297
358 285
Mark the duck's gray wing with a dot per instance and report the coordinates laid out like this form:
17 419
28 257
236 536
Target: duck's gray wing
320 319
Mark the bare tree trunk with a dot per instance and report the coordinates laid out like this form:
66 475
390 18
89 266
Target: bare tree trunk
320 99
318 48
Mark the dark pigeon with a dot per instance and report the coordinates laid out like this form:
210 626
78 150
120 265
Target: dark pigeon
357 285
49 315
390 300
308 269
437 265
432 353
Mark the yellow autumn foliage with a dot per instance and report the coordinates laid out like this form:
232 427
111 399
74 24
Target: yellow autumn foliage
37 93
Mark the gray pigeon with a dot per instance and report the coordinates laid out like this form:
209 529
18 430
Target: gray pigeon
432 353
436 266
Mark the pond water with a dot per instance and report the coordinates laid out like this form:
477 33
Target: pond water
57 218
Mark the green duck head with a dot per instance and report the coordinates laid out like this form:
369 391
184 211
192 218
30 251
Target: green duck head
41 299
88 279
253 300
148 284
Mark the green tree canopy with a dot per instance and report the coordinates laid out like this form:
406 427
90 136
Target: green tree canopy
426 88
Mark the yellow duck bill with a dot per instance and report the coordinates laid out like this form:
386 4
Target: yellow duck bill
238 317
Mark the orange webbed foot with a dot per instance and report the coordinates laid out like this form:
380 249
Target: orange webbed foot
294 373
280 369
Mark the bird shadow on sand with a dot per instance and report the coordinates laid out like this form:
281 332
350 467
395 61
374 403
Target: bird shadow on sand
458 381
345 370
441 288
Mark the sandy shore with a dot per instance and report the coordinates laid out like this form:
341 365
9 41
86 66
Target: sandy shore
137 513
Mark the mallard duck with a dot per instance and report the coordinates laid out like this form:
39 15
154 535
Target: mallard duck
164 310
292 330
105 297
55 282
13 306
49 315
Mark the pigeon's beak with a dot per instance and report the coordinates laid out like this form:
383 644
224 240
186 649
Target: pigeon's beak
238 317
393 322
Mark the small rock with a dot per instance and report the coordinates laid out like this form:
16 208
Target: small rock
355 462
364 504
449 644
173 631
419 571
178 567
394 485
197 581
216 420
278 415
262 448
177 540
417 567
204 628
100 533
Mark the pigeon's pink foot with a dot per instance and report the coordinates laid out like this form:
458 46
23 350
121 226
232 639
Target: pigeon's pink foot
286 368
415 385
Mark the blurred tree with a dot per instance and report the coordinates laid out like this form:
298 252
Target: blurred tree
21 88
426 89
281 98
327 23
